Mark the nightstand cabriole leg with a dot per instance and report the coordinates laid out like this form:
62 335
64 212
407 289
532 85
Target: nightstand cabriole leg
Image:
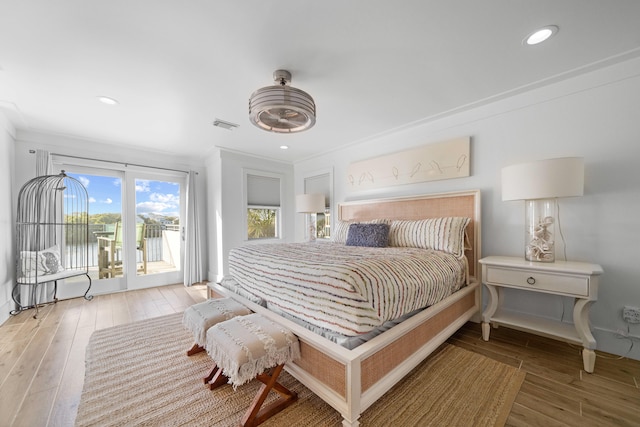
486 331
492 306
581 322
589 360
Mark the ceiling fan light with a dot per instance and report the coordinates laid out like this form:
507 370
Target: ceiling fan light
282 108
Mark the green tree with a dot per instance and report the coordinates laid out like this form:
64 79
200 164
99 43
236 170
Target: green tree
105 218
261 223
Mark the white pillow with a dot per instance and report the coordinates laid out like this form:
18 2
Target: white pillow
441 234
50 260
28 263
42 262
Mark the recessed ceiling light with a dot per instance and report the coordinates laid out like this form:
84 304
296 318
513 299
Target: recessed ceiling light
284 147
107 100
540 35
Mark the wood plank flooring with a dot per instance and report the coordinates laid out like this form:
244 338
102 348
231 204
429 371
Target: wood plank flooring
556 391
42 364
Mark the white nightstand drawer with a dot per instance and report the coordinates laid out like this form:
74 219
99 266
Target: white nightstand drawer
574 285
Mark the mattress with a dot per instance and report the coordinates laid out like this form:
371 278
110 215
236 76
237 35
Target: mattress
344 289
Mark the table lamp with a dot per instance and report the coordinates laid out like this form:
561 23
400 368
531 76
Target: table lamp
310 204
540 183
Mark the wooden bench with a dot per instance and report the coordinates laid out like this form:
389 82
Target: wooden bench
200 317
248 347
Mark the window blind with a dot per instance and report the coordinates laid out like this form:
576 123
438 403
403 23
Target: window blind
263 191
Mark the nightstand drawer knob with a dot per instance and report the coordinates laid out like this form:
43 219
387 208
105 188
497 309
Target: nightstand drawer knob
531 280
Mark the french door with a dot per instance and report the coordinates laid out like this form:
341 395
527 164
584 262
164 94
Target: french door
135 227
155 206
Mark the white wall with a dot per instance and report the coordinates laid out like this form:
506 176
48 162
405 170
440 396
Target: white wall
7 209
227 202
595 116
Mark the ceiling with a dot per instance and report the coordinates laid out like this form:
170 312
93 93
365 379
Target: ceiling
371 65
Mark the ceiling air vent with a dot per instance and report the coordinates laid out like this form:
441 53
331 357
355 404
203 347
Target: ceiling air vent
224 124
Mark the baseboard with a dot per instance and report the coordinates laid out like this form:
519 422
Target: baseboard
613 342
5 310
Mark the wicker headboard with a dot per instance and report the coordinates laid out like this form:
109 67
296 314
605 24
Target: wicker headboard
463 203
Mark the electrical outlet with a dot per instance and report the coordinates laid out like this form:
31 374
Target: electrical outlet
631 314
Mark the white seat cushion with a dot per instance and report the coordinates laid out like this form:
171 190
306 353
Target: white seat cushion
200 317
246 346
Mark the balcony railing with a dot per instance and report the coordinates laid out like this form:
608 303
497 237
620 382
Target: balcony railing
156 242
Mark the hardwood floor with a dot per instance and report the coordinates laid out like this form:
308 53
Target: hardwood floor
42 364
42 360
556 391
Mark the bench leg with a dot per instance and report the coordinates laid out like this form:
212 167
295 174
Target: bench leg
194 350
254 414
216 378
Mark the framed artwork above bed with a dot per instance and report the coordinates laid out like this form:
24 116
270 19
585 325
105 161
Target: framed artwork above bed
442 160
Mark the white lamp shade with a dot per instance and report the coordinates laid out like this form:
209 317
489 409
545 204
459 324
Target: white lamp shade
544 179
310 203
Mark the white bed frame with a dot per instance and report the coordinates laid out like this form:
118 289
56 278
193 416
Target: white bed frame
352 380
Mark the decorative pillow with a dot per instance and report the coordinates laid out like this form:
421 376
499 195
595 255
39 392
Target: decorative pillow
442 234
370 235
50 260
42 262
341 228
28 264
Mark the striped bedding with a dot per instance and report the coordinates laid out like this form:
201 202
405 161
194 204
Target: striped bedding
346 289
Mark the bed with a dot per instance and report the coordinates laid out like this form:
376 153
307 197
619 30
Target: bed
350 380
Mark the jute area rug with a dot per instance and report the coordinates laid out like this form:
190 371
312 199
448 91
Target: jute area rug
138 374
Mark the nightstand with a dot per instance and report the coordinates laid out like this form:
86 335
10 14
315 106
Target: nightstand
578 280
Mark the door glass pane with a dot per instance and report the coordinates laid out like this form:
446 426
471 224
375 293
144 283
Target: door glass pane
158 232
105 224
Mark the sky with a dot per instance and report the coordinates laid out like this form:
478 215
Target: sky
152 197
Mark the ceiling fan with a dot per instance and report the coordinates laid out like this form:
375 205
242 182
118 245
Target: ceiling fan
282 108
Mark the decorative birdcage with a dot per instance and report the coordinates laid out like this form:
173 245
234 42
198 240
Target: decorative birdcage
52 238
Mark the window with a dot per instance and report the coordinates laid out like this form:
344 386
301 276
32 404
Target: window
263 206
262 222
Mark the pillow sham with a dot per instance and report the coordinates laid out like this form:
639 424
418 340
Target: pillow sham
28 263
42 262
341 228
369 235
442 234
50 260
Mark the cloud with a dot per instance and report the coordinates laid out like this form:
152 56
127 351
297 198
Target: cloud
92 200
153 207
165 198
107 201
142 185
84 180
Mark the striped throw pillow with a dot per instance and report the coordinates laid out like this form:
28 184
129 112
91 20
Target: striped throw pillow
442 234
